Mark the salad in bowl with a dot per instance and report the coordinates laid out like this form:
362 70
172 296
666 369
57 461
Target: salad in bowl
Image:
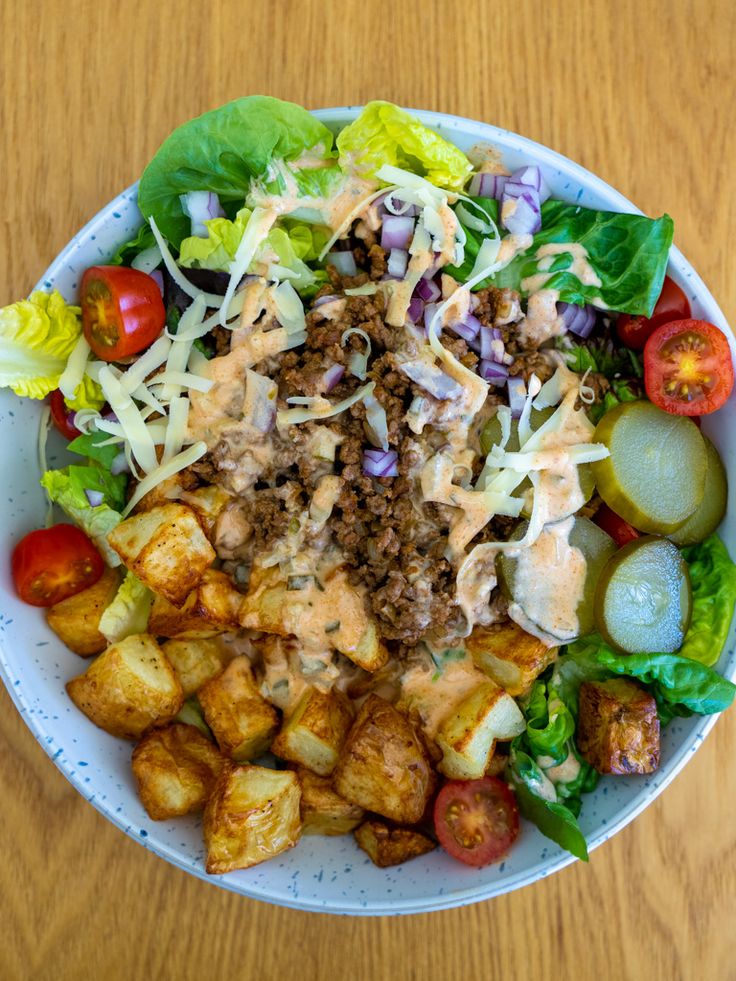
387 510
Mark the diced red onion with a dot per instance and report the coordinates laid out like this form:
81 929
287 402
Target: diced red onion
467 329
327 298
416 309
525 218
517 396
259 405
398 260
578 320
200 206
494 373
432 379
429 311
428 290
344 262
119 464
532 177
497 351
397 232
331 377
486 336
402 208
95 497
158 277
487 185
381 463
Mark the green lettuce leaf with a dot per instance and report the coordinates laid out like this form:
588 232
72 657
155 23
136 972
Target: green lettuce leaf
713 581
222 151
96 475
191 713
141 241
384 134
37 336
66 488
129 611
627 252
549 725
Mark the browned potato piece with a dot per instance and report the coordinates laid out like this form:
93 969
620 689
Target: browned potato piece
618 727
207 503
383 766
175 769
195 661
387 845
166 548
76 620
167 491
509 655
252 815
242 721
467 737
129 688
210 609
315 731
325 812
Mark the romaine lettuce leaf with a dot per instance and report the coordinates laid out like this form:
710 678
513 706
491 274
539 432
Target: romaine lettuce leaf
66 488
222 151
37 336
384 134
713 581
129 611
97 476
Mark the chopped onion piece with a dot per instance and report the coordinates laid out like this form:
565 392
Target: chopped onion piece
325 298
427 290
492 372
398 260
332 377
381 463
344 262
432 379
517 396
397 232
487 185
376 422
532 177
415 310
148 260
95 497
259 405
119 464
201 206
578 320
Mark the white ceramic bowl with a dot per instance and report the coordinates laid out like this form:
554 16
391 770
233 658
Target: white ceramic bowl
322 874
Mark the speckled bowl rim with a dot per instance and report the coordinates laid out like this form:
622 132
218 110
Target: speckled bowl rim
541 154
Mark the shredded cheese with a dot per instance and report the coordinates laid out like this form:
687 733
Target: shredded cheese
73 373
130 419
182 460
320 408
258 227
177 275
289 309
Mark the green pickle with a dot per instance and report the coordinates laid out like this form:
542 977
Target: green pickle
709 514
654 477
643 599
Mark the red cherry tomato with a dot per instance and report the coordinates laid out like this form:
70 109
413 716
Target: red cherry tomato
476 821
672 304
688 368
620 531
62 416
51 564
122 311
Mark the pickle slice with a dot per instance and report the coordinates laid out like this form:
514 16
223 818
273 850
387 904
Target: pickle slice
706 518
544 581
643 600
655 475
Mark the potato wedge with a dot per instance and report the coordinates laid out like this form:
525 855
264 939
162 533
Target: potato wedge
383 765
129 688
468 735
509 655
252 815
175 769
195 661
618 727
242 721
315 731
325 812
166 548
388 845
210 609
207 503
76 620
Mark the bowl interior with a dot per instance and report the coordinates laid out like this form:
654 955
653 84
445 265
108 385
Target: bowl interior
323 874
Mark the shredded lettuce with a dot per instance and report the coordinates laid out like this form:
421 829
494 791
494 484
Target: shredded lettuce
66 488
37 336
129 611
713 581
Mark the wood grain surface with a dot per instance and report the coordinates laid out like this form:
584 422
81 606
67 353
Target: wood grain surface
641 92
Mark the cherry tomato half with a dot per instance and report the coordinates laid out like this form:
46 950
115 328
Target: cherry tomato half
62 416
51 564
122 311
687 368
620 531
476 821
672 304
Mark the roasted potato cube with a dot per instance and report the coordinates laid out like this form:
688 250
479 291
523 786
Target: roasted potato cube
315 731
618 727
325 812
387 845
383 765
207 503
166 548
467 737
242 721
129 688
195 661
252 815
175 769
509 655
167 491
76 620
210 609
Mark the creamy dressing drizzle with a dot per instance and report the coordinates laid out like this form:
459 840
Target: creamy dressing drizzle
433 693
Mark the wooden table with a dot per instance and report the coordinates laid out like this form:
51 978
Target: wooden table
639 91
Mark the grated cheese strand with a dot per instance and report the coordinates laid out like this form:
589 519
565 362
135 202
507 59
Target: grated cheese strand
130 419
73 373
258 227
178 463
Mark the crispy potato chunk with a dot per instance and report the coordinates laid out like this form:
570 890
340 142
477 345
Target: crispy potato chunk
166 548
468 735
315 731
207 503
76 620
129 688
195 661
167 491
252 815
509 655
618 727
210 609
242 721
175 769
325 812
387 845
383 765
